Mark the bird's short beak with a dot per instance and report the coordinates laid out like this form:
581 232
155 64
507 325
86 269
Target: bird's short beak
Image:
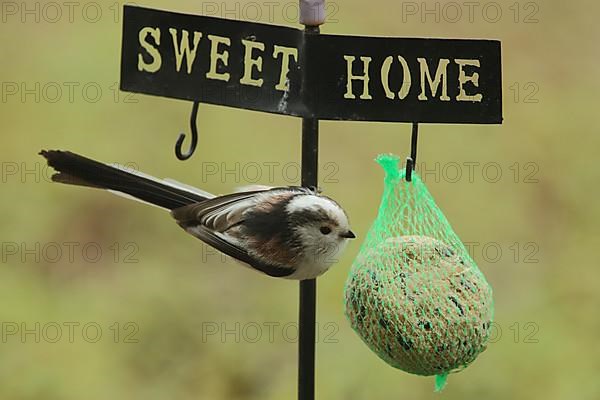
348 235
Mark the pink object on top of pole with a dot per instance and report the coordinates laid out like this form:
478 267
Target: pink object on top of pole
312 12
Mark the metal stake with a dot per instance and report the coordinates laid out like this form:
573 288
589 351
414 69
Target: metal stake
308 288
312 14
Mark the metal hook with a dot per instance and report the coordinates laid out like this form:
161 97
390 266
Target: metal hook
194 129
412 160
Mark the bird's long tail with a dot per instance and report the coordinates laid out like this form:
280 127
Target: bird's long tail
74 169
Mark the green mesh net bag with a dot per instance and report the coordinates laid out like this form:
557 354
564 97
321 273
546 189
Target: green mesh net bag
414 295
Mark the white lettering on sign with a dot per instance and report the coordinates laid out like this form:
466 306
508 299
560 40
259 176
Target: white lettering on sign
433 80
219 56
182 48
463 78
364 77
441 75
286 54
435 84
152 51
250 63
385 78
216 57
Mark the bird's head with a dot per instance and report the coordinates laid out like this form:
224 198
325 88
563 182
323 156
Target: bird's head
322 227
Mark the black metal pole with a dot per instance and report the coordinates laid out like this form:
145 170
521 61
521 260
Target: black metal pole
312 14
308 288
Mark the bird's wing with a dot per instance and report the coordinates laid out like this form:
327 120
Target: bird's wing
217 214
224 245
209 220
221 213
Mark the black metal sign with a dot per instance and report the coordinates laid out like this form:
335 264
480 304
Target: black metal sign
281 70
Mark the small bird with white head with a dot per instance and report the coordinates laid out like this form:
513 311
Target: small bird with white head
286 232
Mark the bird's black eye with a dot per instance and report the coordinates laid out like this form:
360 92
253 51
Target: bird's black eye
325 230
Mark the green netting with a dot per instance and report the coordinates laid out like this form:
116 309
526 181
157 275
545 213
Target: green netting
414 294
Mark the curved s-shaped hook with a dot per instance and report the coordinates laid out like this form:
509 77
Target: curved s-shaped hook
194 128
412 160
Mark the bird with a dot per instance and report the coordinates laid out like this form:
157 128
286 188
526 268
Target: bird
288 232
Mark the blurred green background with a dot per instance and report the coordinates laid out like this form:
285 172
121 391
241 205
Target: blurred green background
103 298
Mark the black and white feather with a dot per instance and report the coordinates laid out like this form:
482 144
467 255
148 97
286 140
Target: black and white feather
288 232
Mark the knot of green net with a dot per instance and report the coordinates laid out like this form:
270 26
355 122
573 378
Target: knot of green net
389 163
